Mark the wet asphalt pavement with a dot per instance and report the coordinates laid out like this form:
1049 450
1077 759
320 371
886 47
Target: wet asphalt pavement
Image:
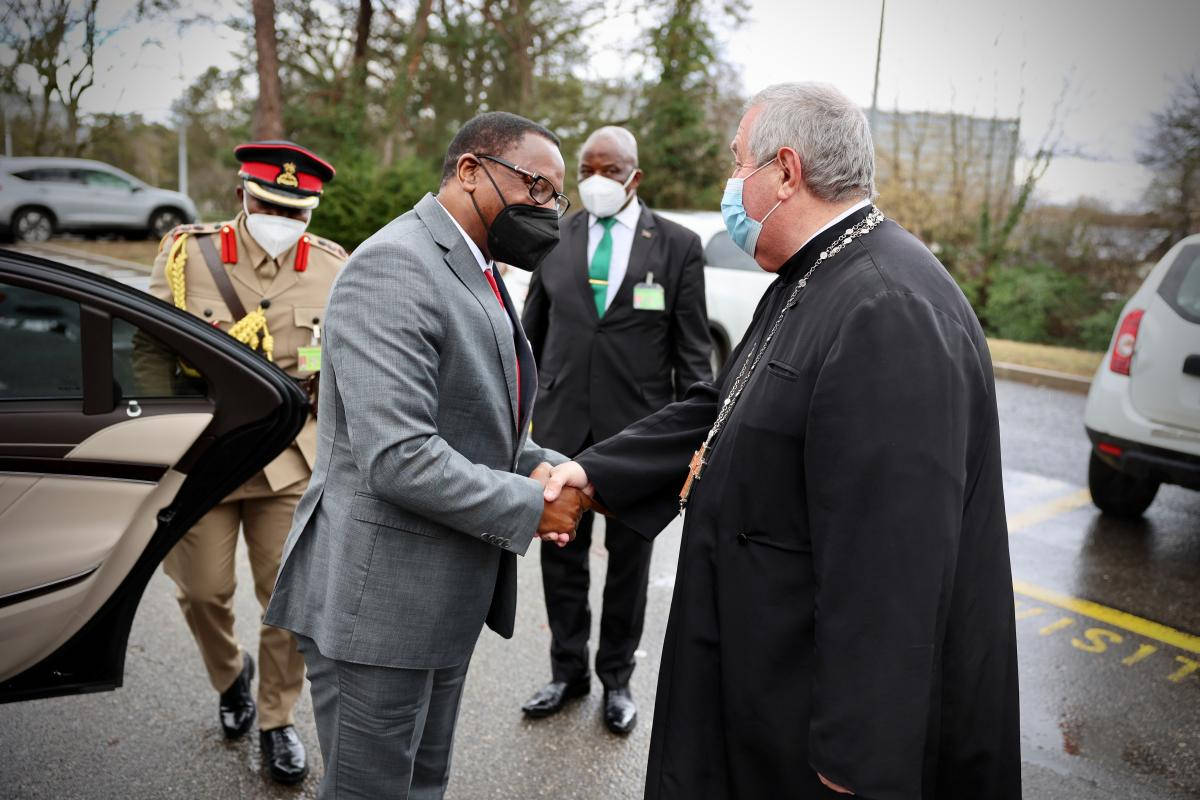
1110 703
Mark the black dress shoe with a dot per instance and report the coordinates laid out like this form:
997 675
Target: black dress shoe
237 703
283 754
551 698
620 712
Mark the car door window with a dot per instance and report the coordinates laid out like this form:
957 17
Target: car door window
105 180
51 175
1181 285
143 367
39 335
722 252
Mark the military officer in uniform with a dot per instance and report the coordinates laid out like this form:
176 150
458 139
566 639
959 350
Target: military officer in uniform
265 281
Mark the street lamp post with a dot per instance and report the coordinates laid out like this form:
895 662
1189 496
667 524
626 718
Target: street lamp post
7 129
878 57
183 165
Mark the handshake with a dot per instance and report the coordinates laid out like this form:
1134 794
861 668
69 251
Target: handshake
567 494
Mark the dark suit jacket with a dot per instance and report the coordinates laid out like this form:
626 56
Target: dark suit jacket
597 375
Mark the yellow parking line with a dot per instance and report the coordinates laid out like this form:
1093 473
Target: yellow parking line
1118 619
1061 505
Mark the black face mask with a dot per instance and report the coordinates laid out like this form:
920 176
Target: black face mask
521 235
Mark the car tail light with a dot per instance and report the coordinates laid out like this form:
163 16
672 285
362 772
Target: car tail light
1109 449
1122 355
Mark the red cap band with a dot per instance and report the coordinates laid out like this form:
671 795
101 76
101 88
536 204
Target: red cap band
271 173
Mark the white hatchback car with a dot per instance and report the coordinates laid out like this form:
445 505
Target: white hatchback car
733 281
1143 409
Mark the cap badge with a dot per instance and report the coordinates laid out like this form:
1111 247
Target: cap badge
288 176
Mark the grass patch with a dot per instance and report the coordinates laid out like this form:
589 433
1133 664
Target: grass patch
139 251
1045 356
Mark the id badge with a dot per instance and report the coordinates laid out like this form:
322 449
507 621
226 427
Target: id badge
649 296
309 358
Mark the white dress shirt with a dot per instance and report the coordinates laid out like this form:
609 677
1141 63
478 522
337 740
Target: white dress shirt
483 263
622 243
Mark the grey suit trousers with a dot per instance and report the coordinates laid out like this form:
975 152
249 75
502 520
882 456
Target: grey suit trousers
385 732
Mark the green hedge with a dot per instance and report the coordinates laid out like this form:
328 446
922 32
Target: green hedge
366 196
1041 303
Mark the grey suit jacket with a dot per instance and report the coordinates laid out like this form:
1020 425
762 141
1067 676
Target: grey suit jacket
405 542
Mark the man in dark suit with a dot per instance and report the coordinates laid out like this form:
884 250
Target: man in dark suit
617 323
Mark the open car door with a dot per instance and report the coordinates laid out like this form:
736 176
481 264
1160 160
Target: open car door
122 421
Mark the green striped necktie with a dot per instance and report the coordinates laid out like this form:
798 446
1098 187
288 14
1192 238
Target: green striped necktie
598 271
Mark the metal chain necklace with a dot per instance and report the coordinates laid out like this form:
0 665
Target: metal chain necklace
699 458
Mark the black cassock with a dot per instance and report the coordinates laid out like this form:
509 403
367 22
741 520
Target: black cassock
843 601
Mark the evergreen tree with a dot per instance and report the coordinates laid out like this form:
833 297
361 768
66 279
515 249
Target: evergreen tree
685 124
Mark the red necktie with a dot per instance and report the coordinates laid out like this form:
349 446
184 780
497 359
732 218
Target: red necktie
503 310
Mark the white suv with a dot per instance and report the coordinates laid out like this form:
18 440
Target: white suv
733 281
40 196
1143 410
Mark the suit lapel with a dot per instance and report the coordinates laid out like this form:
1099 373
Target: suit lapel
645 239
577 247
462 261
524 356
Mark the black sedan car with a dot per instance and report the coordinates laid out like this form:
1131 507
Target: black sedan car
122 421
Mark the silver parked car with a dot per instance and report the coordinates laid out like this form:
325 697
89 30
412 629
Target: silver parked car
41 196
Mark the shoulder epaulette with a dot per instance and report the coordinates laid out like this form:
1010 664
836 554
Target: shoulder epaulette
228 236
332 248
196 228
191 229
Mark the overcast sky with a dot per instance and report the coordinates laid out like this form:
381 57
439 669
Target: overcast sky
1118 57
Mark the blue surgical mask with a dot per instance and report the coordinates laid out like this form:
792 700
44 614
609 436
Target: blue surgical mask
742 229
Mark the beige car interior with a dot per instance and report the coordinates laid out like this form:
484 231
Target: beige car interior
54 528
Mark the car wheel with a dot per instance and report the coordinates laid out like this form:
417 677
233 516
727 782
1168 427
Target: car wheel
1116 493
164 221
32 225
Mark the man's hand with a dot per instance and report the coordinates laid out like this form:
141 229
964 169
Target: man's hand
566 474
541 473
560 516
834 786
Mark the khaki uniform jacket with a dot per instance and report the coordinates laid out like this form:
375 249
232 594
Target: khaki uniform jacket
293 302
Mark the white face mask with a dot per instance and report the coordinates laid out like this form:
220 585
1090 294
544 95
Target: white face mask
603 196
273 233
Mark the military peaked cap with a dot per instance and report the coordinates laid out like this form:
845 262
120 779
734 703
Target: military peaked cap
283 173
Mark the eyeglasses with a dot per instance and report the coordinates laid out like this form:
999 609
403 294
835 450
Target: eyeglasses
541 190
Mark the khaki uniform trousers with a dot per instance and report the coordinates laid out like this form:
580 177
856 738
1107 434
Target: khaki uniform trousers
202 566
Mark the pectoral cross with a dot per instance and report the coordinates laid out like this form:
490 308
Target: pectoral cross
694 469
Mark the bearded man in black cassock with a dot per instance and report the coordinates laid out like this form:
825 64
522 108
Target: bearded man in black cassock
843 613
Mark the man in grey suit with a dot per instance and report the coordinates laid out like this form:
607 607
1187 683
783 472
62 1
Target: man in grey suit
404 544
